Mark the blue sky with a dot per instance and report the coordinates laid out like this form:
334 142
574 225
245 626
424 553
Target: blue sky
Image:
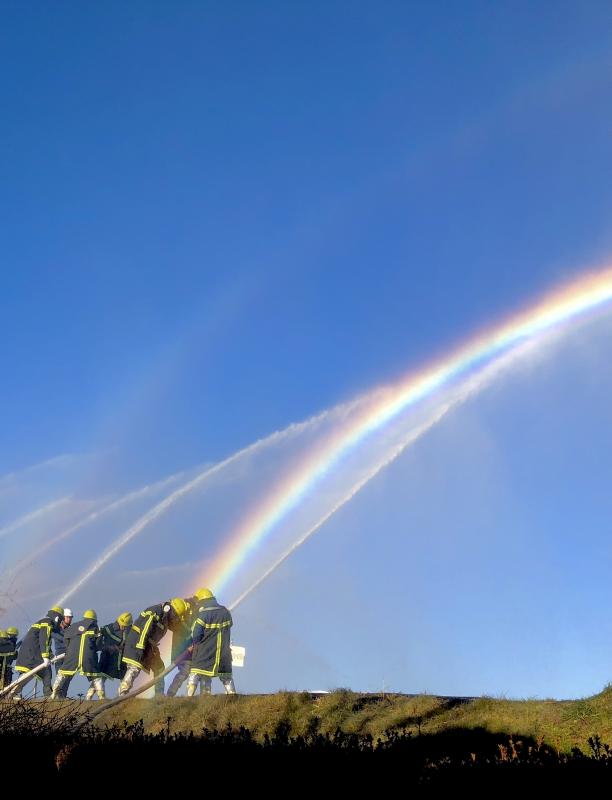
220 219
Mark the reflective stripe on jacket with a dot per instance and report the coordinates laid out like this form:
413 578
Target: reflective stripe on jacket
8 653
82 641
112 638
36 644
145 634
212 655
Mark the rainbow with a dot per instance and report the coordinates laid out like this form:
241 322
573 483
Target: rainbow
574 302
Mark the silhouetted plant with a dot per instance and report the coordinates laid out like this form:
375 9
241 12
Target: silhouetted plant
44 734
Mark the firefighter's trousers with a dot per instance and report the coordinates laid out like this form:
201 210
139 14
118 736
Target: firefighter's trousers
6 677
45 675
62 682
96 687
130 676
180 678
206 684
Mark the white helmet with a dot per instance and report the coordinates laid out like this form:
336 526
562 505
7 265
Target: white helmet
68 613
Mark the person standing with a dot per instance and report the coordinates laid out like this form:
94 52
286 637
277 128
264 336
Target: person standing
82 640
212 655
8 653
57 638
113 641
36 650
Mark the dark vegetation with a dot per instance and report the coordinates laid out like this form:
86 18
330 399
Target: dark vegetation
47 745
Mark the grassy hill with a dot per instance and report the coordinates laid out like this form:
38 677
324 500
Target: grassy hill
561 724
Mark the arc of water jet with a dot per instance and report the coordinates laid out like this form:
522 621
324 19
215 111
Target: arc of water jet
125 500
156 511
467 389
554 312
9 477
33 515
557 312
355 489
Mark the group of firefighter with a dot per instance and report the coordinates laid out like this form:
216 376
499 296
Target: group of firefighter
122 649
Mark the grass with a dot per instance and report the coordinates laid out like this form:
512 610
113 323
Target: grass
560 724
451 743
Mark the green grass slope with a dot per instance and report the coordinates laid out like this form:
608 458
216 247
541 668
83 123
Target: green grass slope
561 724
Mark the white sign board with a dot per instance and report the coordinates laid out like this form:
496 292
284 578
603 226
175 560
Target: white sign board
238 654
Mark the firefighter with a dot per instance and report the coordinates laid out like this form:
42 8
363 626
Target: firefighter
141 649
57 638
82 641
212 655
113 639
36 649
8 653
182 646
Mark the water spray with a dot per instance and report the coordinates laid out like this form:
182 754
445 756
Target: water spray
158 510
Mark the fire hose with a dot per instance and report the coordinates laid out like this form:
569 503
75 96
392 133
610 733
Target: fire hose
106 705
91 715
25 677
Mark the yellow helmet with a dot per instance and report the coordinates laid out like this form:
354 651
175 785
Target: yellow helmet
3 634
58 610
203 593
179 606
90 614
12 631
125 619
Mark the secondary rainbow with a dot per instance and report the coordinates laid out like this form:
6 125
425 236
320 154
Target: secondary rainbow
572 303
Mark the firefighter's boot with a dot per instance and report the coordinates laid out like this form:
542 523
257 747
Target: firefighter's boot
128 680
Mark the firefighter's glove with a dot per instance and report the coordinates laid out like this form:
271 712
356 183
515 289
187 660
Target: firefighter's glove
46 662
